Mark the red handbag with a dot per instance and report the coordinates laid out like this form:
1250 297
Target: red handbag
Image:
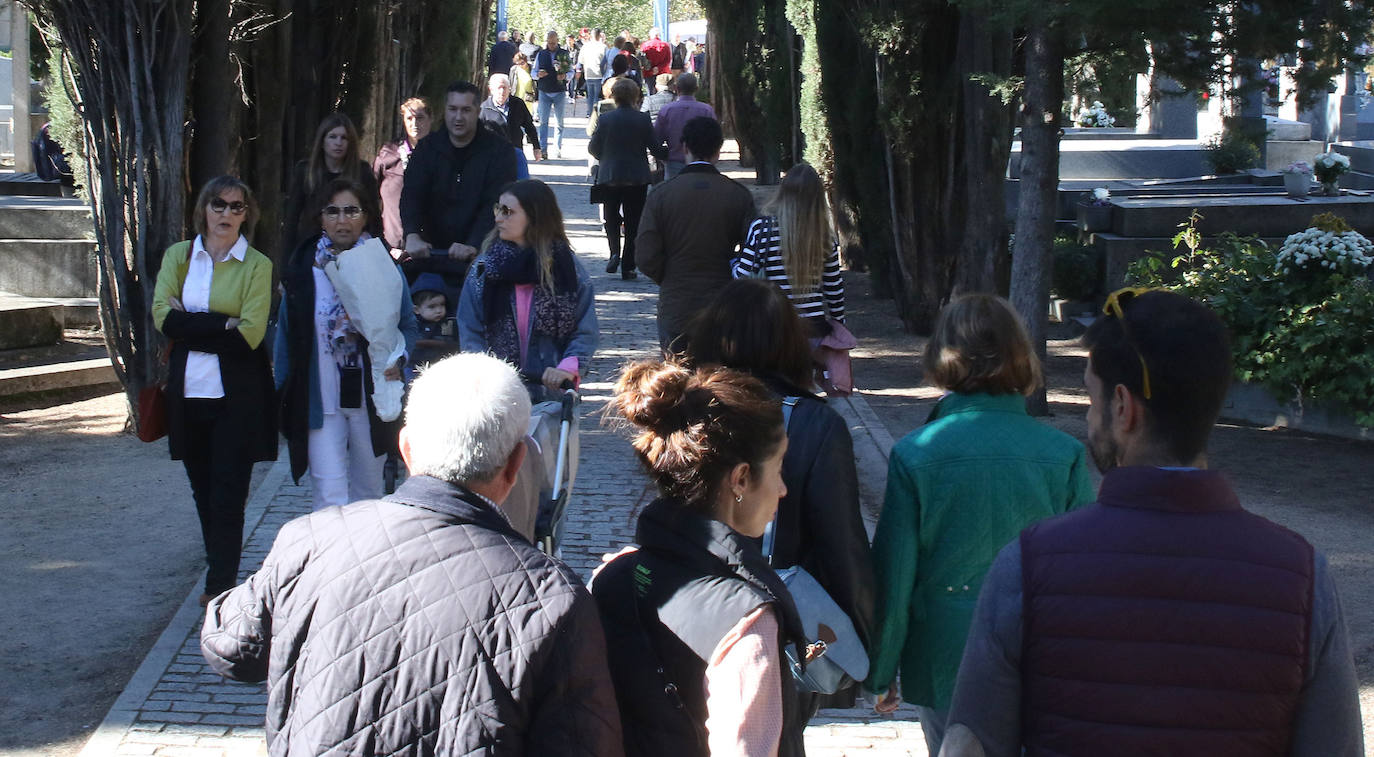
152 412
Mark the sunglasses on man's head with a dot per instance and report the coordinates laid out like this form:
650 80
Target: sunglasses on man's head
348 211
237 207
1115 307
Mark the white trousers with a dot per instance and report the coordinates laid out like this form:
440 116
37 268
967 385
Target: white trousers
342 466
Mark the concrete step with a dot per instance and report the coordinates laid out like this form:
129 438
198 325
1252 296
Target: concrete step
77 312
53 376
30 325
29 185
45 218
48 267
1264 215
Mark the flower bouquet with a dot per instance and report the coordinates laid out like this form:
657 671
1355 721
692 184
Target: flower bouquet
1095 116
1328 168
1297 179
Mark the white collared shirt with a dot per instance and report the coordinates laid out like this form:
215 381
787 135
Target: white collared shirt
203 379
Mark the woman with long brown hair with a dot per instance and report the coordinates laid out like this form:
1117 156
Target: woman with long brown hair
333 154
793 246
527 299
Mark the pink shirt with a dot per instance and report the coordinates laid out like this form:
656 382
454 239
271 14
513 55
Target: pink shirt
524 301
744 689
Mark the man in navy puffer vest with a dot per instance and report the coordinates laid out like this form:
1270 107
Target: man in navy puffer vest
1164 619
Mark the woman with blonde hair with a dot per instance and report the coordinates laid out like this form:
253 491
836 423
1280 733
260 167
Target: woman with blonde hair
333 155
527 299
959 488
212 299
793 246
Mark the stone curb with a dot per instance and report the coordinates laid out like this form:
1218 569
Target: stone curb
106 738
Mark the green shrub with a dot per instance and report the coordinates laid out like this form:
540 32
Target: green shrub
1302 335
1230 152
1077 270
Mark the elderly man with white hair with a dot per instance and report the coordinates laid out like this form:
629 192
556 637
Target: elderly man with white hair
422 623
509 116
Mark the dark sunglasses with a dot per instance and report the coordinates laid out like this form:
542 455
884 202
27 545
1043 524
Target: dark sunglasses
237 207
348 211
1115 307
502 211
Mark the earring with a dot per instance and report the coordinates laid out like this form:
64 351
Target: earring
739 498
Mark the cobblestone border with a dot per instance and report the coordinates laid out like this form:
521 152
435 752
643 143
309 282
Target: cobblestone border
107 737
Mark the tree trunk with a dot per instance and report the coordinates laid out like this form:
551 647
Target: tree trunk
213 91
949 150
1033 255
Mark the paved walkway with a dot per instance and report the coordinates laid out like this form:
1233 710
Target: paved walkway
176 706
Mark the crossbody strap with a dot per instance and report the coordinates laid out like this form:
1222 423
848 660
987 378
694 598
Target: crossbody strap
769 533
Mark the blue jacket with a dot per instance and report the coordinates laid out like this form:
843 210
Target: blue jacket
544 351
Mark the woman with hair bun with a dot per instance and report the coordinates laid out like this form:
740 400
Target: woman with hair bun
695 618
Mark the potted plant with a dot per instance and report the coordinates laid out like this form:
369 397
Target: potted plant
1297 179
1095 210
1328 168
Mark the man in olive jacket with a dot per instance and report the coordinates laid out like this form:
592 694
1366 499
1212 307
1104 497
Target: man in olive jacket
423 624
690 230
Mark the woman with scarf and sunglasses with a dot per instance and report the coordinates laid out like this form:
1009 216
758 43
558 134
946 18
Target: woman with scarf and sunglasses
212 299
527 299
324 376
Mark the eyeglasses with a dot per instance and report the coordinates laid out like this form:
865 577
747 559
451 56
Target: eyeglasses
502 211
348 211
1115 307
237 207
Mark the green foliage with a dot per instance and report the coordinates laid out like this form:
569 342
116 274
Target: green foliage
1230 152
814 124
610 16
1302 335
1077 273
1107 76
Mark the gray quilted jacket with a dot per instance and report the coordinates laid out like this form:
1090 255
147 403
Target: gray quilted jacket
421 624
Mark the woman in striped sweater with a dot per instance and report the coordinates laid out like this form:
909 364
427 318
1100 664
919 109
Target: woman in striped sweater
793 247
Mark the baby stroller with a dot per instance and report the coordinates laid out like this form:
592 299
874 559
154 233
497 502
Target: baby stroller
538 503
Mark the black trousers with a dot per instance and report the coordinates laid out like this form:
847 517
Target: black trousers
623 203
220 474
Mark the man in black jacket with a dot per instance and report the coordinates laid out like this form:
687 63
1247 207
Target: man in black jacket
509 115
452 182
424 623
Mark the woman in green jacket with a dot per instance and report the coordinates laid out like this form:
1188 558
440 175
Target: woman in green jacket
959 488
212 298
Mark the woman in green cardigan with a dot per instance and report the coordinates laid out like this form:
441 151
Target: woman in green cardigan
959 488
212 298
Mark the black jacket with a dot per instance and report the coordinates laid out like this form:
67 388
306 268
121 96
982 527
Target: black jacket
820 523
246 374
514 125
445 205
622 140
420 624
665 607
298 302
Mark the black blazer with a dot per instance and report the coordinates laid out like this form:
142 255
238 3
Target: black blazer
621 141
245 372
515 124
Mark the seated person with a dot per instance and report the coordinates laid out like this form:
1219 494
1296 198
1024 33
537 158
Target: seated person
438 333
